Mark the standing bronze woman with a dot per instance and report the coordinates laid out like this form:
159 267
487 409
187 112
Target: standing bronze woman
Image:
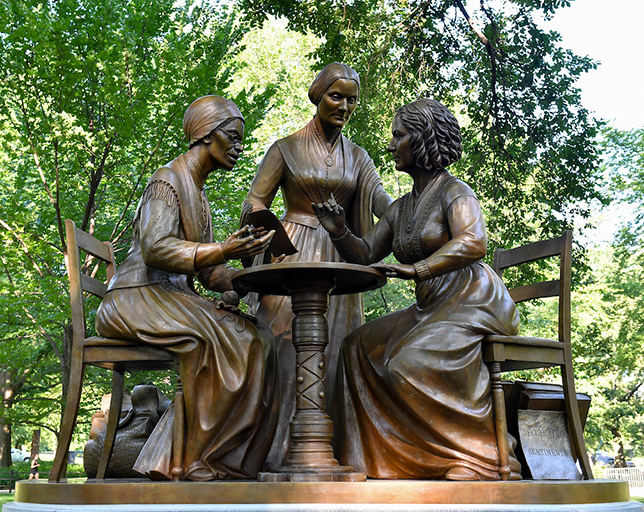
412 390
227 362
308 166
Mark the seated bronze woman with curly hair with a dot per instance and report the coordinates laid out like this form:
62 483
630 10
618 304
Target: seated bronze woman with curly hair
413 391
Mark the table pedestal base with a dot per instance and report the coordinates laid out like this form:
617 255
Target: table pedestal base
309 284
310 458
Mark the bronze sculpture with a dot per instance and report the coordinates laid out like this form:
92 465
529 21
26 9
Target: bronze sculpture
227 362
412 391
307 166
137 419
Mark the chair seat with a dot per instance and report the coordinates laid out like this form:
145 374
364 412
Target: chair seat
522 352
99 341
125 355
523 340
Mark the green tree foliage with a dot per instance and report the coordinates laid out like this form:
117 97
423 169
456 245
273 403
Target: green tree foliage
612 335
624 154
608 312
609 326
93 97
530 146
274 60
530 150
608 347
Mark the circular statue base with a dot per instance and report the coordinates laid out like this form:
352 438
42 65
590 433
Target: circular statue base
370 496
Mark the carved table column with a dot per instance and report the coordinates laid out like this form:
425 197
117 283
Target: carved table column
310 457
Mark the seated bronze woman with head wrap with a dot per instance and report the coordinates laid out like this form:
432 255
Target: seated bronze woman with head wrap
413 393
227 362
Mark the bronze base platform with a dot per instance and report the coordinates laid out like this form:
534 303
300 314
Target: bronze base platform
341 474
394 492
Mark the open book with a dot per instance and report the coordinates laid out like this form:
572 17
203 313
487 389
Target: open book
281 243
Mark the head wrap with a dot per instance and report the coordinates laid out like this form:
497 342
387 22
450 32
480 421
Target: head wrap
329 74
205 114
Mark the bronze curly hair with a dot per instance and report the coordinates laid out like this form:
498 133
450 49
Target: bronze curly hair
435 137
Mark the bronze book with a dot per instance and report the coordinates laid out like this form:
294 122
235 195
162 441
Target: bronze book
281 243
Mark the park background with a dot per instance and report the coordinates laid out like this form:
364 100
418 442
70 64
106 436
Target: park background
546 91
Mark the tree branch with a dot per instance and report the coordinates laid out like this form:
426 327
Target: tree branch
632 392
95 181
23 245
138 181
470 21
45 334
40 425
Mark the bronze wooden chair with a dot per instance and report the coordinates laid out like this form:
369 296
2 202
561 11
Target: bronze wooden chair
511 353
113 354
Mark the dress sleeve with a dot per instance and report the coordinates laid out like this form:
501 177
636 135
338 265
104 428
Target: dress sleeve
265 184
380 201
162 243
217 278
468 242
372 247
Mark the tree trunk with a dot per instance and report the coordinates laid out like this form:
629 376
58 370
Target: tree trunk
35 443
5 424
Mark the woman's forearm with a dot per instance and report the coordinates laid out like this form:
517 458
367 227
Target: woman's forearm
351 248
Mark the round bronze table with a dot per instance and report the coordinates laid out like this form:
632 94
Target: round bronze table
309 284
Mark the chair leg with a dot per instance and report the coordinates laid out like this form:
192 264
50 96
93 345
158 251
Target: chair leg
574 420
76 373
112 423
500 421
178 440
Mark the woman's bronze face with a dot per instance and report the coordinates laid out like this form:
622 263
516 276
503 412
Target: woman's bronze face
338 103
225 144
400 147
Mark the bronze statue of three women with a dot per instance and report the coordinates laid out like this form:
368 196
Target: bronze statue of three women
408 393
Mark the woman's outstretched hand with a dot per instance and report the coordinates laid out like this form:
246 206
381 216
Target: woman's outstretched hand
396 270
331 216
246 242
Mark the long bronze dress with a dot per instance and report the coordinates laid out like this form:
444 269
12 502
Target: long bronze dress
415 394
227 363
306 172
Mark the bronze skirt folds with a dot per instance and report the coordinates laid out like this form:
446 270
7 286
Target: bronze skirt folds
229 374
415 393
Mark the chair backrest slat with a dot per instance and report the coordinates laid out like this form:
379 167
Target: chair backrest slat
93 246
535 291
527 253
93 286
78 240
560 246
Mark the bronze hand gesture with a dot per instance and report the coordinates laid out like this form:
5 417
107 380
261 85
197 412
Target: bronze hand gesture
246 242
331 216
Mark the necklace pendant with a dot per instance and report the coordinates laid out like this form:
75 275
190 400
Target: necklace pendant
328 161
